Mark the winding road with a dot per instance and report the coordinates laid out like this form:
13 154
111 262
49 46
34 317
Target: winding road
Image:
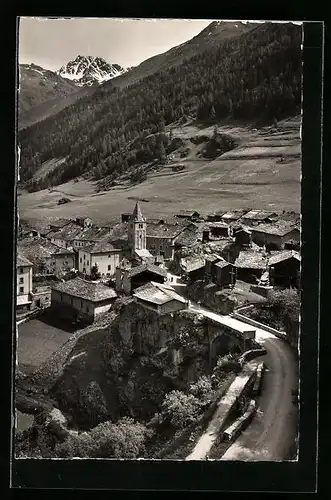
271 434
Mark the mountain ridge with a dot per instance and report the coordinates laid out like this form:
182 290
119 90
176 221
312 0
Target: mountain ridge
88 70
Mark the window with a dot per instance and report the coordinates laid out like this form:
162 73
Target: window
80 260
109 267
21 270
21 289
81 304
65 262
84 256
108 256
87 262
21 280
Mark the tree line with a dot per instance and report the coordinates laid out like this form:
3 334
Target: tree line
256 76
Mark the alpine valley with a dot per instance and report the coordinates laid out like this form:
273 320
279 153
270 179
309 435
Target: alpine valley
201 107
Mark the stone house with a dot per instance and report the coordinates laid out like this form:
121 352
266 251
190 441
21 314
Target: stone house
23 283
129 278
223 273
161 238
188 214
81 299
160 298
46 257
258 216
193 267
90 235
284 269
65 236
250 265
275 235
102 254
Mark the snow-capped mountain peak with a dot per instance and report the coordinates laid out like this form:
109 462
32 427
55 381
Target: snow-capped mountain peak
89 70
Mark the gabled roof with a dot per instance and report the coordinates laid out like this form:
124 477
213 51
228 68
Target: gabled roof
144 253
233 214
147 267
166 231
192 263
68 232
95 292
214 257
39 249
99 247
222 263
118 232
275 229
21 261
157 293
60 223
251 260
282 256
187 237
187 213
258 215
92 233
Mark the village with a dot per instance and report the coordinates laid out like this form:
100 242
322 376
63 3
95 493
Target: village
77 269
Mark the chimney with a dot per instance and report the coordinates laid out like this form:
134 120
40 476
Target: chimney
205 236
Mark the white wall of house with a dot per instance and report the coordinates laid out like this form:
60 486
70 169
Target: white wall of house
82 306
24 282
106 262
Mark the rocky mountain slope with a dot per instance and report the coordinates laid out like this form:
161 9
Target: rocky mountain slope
38 85
89 70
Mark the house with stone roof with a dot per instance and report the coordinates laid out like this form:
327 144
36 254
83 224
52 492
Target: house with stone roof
101 254
250 265
284 268
79 299
160 298
161 239
90 235
46 257
129 277
276 235
23 283
65 236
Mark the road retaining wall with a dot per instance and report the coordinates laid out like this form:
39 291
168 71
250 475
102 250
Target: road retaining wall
253 322
233 431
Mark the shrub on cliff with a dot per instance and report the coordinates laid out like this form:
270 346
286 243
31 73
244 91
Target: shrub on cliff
180 409
202 388
125 439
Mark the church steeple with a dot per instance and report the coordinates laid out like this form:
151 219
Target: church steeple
137 214
137 230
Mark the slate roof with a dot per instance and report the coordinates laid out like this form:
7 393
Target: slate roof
157 293
233 214
38 250
250 260
99 247
187 238
258 215
60 223
68 232
187 213
214 257
276 229
222 263
282 256
118 232
21 261
92 233
147 267
143 253
78 287
163 231
192 263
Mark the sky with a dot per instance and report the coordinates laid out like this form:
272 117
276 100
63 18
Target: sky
50 43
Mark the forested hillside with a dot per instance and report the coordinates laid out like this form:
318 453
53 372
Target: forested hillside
256 76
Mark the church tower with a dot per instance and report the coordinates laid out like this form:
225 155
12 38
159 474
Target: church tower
137 230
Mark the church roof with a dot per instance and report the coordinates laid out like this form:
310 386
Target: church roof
137 214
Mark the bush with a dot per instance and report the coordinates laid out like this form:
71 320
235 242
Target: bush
202 388
125 439
180 409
